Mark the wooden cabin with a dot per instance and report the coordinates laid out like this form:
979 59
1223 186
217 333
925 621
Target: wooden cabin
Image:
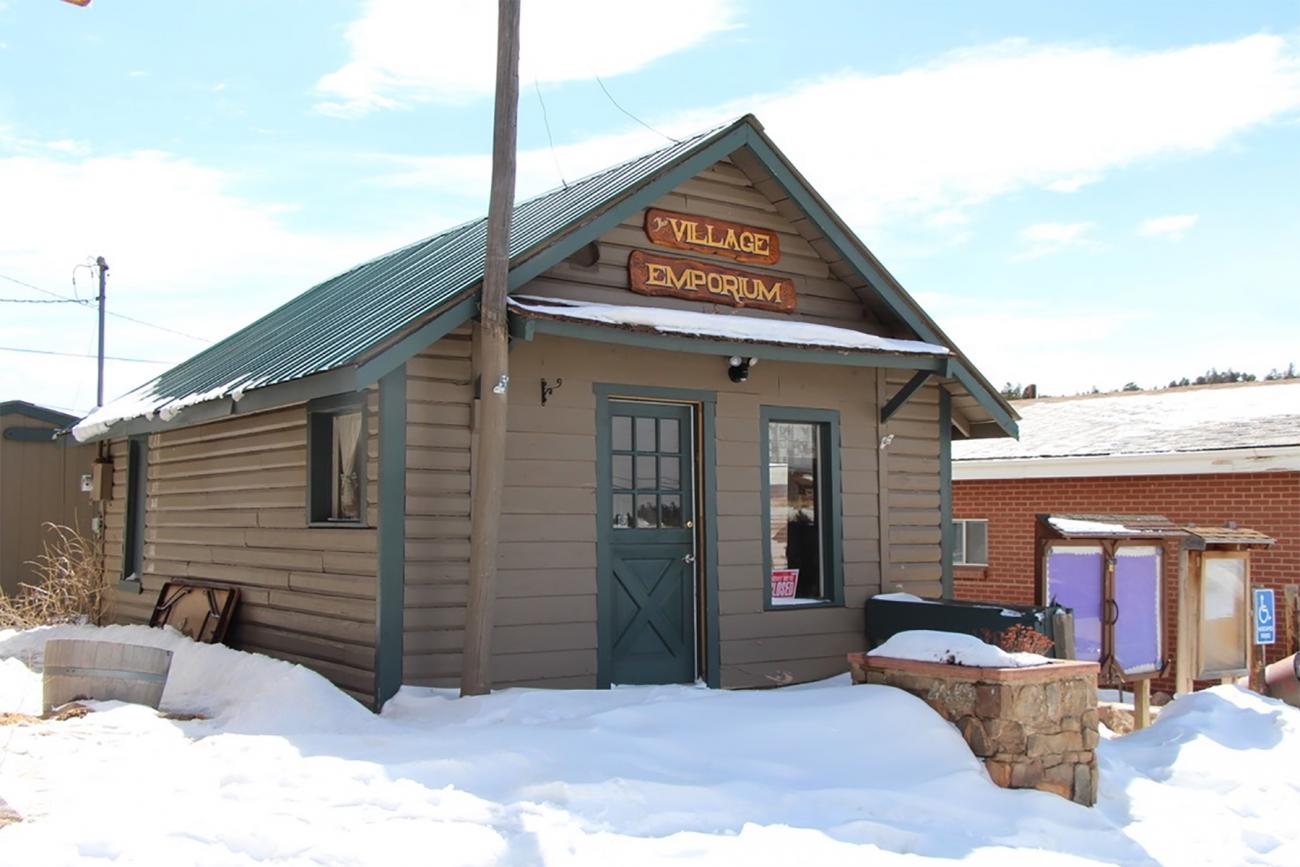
40 484
728 426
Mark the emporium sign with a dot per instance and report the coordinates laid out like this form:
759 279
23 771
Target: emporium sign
651 274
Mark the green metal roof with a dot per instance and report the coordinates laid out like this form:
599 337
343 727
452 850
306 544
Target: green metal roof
348 331
337 322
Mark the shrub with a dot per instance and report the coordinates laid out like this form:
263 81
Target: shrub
69 588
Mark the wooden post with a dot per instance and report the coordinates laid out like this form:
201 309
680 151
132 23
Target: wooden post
1185 656
489 468
1142 703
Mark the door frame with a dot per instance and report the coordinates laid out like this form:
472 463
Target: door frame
706 529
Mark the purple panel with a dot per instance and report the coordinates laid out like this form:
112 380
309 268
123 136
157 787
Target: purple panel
1074 581
1137 595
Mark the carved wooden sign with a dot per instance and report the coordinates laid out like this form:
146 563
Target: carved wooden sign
709 235
651 274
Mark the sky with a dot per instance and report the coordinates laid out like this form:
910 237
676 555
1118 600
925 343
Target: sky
1082 195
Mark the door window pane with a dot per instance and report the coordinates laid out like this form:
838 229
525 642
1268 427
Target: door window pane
621 433
669 436
1223 614
670 510
622 466
795 506
647 511
645 434
645 472
670 473
622 510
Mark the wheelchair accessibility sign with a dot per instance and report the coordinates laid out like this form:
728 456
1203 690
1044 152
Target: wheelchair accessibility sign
1265 617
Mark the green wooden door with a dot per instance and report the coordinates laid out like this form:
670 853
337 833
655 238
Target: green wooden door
648 577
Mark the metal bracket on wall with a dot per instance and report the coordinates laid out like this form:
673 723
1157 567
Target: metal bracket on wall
908 389
548 390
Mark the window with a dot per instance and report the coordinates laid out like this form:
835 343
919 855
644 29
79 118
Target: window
1222 630
970 542
137 477
801 541
336 461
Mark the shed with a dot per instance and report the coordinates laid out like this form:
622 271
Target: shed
729 426
40 483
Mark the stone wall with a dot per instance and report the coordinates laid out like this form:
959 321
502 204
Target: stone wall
1035 728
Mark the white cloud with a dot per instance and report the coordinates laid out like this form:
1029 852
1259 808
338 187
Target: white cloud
1173 227
931 142
405 51
1044 239
184 251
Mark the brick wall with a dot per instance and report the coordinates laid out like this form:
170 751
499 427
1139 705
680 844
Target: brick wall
1268 502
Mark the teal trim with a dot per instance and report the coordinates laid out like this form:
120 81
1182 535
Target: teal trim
137 482
615 212
708 485
130 585
521 327
1003 418
24 434
908 389
320 459
257 400
391 587
945 490
442 324
706 346
833 529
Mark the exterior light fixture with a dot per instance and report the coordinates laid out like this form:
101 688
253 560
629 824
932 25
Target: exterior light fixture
738 368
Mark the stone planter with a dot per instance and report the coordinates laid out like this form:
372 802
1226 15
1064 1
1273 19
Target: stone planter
1034 728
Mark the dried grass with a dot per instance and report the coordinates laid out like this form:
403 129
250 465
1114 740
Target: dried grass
70 588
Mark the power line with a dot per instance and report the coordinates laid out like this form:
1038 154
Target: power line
39 301
546 121
80 355
89 306
611 98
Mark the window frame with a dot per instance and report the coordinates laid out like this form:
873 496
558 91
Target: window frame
133 515
829 485
320 458
965 539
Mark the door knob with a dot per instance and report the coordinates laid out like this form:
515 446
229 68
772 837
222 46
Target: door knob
689 558
690 525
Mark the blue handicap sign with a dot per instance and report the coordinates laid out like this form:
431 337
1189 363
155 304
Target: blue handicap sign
1265 619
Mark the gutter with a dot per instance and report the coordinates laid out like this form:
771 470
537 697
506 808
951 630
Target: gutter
1212 461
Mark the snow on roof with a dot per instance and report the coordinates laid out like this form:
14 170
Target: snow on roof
731 327
1236 416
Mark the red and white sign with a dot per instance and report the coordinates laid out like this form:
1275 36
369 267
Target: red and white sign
784 583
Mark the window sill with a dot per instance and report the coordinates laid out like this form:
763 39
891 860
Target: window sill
338 525
130 585
801 604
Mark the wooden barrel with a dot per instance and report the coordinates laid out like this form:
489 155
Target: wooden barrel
104 671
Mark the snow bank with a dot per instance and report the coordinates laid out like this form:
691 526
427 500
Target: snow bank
239 692
928 645
1212 781
289 771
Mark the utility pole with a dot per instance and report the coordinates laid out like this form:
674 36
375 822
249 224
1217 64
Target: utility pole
494 373
103 302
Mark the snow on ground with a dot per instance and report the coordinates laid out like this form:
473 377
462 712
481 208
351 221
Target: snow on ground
287 770
929 645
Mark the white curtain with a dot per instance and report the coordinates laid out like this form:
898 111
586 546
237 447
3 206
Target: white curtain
347 433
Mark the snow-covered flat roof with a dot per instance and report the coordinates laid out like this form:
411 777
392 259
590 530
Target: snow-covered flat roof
737 328
1170 422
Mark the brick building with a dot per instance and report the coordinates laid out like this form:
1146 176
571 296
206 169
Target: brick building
1205 455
